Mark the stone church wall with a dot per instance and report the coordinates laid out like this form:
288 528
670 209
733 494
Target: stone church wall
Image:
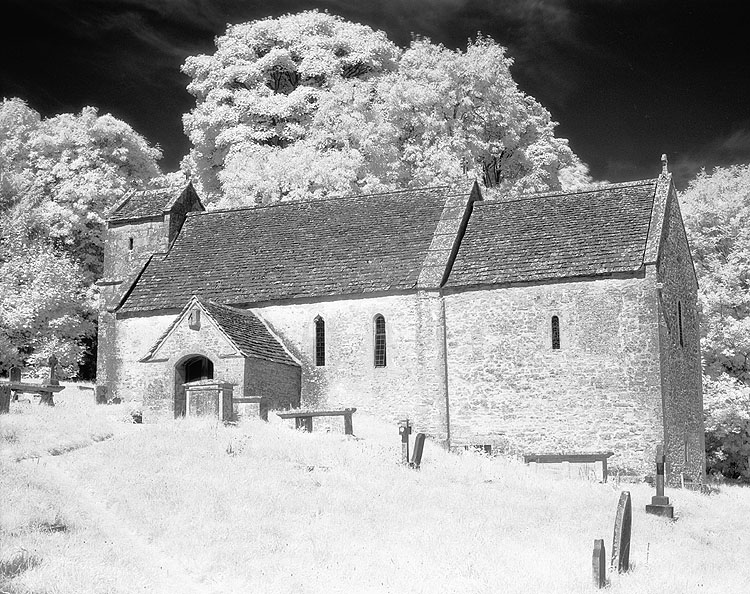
680 355
135 336
278 383
599 392
121 262
410 385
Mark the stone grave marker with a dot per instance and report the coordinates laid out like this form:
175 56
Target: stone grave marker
599 564
15 374
100 394
416 457
659 503
4 399
53 381
621 539
404 430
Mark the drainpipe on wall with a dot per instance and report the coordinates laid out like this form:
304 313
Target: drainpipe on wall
444 355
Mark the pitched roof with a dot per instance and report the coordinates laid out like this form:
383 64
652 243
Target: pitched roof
243 328
599 230
152 202
249 334
350 245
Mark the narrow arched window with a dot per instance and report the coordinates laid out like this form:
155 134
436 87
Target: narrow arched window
320 342
555 332
130 243
679 322
380 343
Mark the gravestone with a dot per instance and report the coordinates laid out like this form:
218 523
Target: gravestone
416 458
599 564
101 394
659 503
404 430
621 539
15 377
53 381
4 399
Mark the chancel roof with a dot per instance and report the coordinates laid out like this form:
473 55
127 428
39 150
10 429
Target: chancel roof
552 236
354 245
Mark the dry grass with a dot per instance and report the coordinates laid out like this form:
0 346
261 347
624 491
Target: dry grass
195 506
32 430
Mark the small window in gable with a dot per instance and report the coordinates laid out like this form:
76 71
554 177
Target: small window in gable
555 332
194 320
320 342
679 322
380 343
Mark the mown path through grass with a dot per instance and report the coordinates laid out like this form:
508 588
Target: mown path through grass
160 570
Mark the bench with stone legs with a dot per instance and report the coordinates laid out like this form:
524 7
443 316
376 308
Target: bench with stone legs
303 418
565 460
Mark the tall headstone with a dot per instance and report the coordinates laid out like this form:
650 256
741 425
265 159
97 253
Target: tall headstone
4 399
53 381
621 539
599 564
15 374
659 503
416 457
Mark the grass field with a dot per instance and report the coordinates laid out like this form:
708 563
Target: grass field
194 506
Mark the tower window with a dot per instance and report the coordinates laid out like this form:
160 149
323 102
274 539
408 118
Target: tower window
380 342
679 322
130 243
320 342
555 332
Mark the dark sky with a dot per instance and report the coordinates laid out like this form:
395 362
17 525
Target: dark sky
626 80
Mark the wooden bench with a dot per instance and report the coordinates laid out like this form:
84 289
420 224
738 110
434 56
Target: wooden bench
46 391
303 419
573 458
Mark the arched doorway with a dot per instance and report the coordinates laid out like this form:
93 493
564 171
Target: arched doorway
190 370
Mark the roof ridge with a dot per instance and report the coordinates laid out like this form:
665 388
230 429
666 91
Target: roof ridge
327 199
589 189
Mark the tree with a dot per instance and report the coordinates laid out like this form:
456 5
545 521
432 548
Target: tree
717 219
45 307
263 85
716 210
308 105
58 178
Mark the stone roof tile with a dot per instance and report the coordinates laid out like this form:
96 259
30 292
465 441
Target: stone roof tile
249 334
601 230
350 245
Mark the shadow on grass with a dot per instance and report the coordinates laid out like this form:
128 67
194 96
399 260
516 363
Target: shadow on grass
16 564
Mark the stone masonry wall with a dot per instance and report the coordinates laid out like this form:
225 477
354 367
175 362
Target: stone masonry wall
599 392
135 336
410 385
278 383
680 360
121 264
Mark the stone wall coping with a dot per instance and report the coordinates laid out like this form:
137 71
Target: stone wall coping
208 383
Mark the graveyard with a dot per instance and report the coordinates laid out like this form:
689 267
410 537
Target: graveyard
93 502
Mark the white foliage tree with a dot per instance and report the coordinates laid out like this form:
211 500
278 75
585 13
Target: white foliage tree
308 105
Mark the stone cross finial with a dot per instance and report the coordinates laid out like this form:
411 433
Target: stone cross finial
664 164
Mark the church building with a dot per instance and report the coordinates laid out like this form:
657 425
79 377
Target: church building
552 322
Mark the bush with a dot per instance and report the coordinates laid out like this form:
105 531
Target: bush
727 419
